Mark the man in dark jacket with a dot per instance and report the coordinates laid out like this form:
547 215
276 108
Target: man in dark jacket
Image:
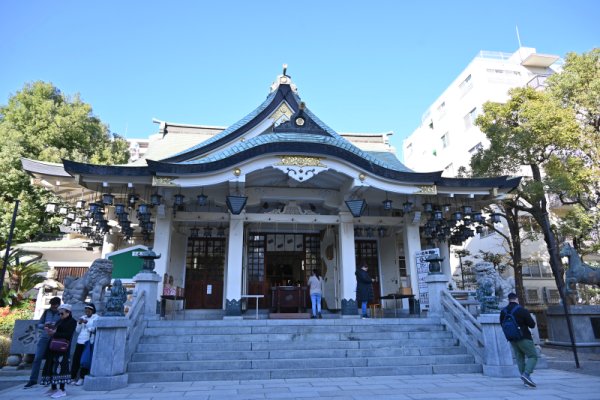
364 288
524 348
48 318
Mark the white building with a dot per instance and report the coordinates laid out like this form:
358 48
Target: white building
447 138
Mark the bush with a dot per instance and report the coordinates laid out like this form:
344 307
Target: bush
8 316
4 349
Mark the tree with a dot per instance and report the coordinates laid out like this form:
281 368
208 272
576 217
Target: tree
527 134
41 123
24 271
576 180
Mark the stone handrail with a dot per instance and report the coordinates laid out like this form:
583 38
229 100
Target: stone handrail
136 325
116 339
463 325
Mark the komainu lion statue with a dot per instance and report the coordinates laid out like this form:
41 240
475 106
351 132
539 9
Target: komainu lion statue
92 283
493 284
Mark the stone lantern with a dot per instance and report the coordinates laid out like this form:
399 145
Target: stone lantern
148 256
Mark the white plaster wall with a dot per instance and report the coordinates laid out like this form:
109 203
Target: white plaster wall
176 266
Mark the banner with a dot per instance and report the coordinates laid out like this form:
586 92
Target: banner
423 271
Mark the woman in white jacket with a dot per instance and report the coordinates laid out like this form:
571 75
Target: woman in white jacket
86 327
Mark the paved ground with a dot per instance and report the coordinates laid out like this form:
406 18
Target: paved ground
561 381
552 384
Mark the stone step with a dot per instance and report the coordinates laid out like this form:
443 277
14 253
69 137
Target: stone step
291 337
295 354
310 322
184 346
288 329
299 364
210 375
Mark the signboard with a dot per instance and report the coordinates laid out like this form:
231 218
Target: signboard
422 272
126 263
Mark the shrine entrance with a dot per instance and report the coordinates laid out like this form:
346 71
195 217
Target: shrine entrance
205 264
280 260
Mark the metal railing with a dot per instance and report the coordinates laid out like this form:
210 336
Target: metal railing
463 325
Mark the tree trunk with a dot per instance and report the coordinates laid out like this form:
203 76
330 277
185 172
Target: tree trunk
512 219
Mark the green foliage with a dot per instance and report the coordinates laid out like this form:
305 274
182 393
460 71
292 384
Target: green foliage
23 272
4 349
553 137
41 123
9 315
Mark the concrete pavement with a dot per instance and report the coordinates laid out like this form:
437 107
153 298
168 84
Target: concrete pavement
552 384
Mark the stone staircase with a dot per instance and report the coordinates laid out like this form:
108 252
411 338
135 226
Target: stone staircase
200 350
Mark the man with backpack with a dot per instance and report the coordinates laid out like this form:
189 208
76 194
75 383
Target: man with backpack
516 321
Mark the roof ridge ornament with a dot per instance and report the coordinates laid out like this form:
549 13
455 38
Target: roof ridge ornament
283 79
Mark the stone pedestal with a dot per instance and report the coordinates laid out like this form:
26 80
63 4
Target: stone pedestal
436 283
108 359
586 327
498 357
148 282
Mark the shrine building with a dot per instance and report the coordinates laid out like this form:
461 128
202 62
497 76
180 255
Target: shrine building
253 208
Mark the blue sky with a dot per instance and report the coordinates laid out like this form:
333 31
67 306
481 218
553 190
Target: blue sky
361 66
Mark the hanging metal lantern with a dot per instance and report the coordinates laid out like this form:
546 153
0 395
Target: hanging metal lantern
457 216
202 199
119 208
132 199
66 221
149 226
155 199
94 207
479 229
178 199
495 218
123 217
143 209
207 231
221 231
107 199
369 231
381 231
476 216
63 210
427 207
358 232
438 215
125 224
407 206
71 215
80 204
467 209
194 232
387 204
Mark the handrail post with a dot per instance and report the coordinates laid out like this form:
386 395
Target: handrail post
498 357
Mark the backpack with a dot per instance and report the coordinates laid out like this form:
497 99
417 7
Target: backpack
511 329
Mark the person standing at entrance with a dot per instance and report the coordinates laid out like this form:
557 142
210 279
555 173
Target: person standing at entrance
364 288
48 319
315 283
523 348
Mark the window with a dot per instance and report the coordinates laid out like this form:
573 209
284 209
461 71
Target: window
470 118
445 139
475 149
536 269
466 85
402 267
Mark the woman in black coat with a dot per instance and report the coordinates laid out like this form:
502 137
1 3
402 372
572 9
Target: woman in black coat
364 288
56 370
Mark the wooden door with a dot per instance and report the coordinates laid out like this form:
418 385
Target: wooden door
205 265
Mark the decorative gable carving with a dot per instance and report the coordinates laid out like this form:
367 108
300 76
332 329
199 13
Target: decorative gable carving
300 168
282 114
